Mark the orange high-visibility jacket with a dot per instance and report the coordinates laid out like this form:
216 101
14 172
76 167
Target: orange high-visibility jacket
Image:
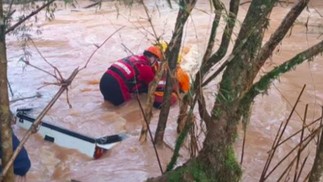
183 79
183 85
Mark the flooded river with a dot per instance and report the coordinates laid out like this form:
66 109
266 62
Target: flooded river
68 41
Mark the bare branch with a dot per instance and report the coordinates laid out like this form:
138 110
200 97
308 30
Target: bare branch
40 69
150 134
29 16
262 85
278 137
37 95
87 62
296 174
149 20
54 67
280 32
35 125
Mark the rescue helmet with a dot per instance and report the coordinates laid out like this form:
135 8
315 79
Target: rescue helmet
163 45
154 50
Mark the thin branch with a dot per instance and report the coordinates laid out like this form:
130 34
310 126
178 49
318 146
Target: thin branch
226 36
245 120
10 89
64 83
285 98
238 47
152 86
308 139
286 172
127 49
37 122
67 99
37 95
278 137
29 16
40 69
262 85
148 109
287 2
318 12
150 134
142 29
315 173
302 167
87 62
93 4
280 32
291 136
296 175
54 67
149 19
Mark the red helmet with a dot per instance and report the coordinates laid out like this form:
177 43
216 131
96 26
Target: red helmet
155 50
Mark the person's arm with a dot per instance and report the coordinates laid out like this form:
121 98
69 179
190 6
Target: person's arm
146 74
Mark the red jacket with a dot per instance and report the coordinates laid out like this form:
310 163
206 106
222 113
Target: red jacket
133 73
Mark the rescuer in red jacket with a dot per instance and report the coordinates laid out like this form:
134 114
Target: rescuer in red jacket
130 75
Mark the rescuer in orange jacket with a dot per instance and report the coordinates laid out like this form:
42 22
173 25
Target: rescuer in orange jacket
130 75
183 86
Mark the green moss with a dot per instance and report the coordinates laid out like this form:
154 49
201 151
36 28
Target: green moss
232 165
176 175
235 135
217 112
195 171
263 84
179 142
226 92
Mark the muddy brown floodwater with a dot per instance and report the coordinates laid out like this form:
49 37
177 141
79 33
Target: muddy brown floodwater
68 41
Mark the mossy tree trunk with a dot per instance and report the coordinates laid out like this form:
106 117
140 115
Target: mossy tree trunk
5 124
216 161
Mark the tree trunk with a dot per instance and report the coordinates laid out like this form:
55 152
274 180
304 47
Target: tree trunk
216 161
317 170
171 56
5 125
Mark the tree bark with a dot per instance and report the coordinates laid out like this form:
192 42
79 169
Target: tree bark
5 124
216 161
171 56
316 174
